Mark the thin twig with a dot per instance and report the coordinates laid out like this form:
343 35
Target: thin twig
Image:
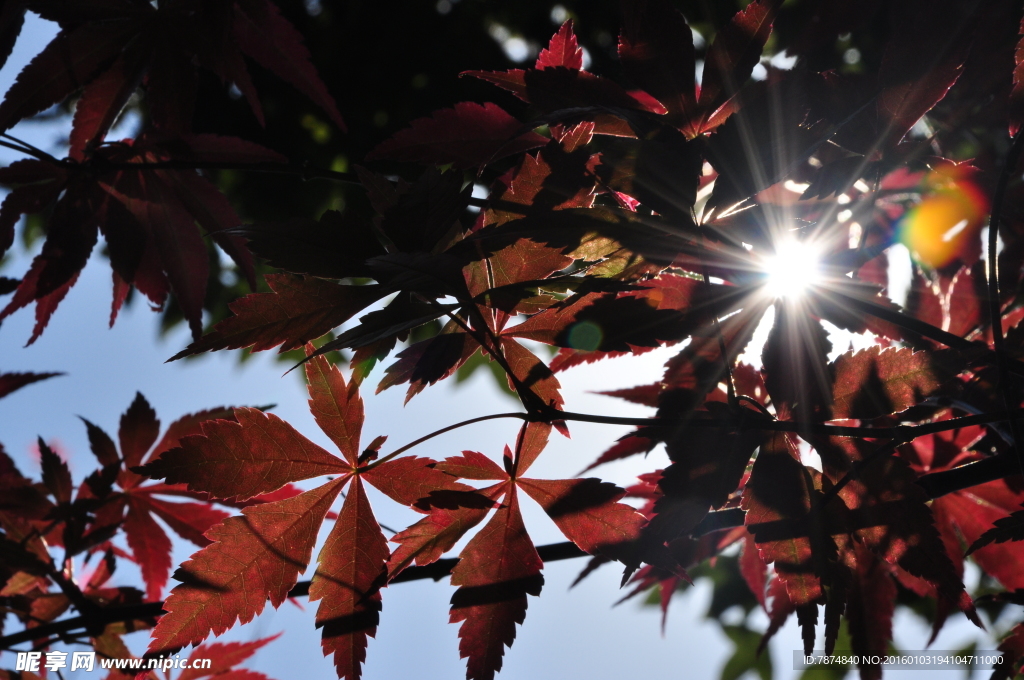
150 610
935 484
305 172
902 432
435 433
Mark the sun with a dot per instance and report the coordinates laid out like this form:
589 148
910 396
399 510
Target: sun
792 269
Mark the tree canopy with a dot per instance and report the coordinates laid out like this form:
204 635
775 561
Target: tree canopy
450 187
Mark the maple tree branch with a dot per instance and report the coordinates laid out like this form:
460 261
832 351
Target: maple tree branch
552 552
995 308
900 432
935 484
304 171
526 395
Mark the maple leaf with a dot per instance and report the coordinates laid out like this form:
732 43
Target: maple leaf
429 361
889 514
9 382
148 218
1013 647
450 516
733 54
747 149
497 569
656 50
563 50
299 310
795 359
1010 528
118 47
136 506
553 89
871 601
348 578
588 513
500 566
707 466
560 176
51 76
35 185
271 452
978 510
251 559
778 501
466 136
1017 94
627 446
646 395
225 656
334 247
533 374
258 556
655 314
12 18
914 75
263 34
876 382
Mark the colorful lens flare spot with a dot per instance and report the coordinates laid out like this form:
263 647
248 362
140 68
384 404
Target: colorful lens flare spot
945 224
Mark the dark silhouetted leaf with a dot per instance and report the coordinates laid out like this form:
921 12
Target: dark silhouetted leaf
267 37
466 136
656 50
9 382
299 310
876 382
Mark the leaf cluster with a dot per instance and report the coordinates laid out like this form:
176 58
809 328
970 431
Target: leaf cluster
601 215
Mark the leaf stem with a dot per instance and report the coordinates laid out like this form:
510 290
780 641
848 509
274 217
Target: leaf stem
435 433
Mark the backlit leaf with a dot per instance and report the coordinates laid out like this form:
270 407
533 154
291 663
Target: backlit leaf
656 50
350 572
563 50
267 37
587 511
497 569
253 558
876 382
258 454
337 407
299 310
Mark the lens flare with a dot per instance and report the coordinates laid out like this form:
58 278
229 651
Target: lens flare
944 225
792 269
